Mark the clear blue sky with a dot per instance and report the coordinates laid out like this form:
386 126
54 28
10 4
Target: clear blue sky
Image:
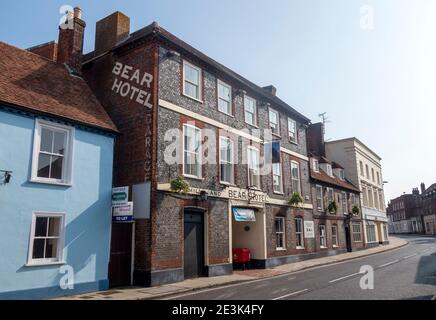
378 85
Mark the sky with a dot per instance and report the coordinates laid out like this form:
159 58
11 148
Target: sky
371 65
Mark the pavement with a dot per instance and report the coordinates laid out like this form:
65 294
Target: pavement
240 277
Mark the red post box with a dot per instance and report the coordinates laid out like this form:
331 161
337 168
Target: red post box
241 255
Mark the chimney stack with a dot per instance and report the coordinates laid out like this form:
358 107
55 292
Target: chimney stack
415 191
271 89
70 44
110 31
422 187
315 139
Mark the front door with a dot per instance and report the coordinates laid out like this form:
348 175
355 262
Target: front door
194 244
120 264
348 238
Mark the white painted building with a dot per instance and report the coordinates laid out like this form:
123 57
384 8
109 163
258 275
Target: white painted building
363 168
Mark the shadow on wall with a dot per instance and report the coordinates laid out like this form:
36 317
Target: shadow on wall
87 236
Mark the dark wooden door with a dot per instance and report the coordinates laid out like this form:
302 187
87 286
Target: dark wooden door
348 238
120 264
194 244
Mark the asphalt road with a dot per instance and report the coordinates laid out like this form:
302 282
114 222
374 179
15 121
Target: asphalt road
405 273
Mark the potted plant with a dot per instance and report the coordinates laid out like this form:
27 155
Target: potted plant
355 210
180 185
332 207
296 199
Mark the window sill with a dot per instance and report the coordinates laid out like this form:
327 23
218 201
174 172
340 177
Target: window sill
227 114
280 249
48 182
323 247
44 264
299 248
192 98
252 125
229 184
277 135
293 142
278 193
193 177
335 246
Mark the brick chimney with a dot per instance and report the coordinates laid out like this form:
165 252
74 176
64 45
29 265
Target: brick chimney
110 31
415 191
70 44
271 89
315 139
422 187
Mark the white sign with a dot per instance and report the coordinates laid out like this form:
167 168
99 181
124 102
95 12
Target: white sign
120 196
309 229
132 83
123 214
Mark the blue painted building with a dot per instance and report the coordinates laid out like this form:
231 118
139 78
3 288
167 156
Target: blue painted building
56 159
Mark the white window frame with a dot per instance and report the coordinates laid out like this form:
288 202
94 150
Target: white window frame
322 235
319 197
281 233
299 233
344 202
342 174
372 174
200 82
367 171
355 233
297 165
200 150
271 110
329 169
249 160
295 138
332 198
232 174
335 237
246 97
362 172
67 168
371 232
60 249
378 178
365 196
280 176
222 83
315 165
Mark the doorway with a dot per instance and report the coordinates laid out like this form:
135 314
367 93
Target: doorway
348 238
120 264
193 243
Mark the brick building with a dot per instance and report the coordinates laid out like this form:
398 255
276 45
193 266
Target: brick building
403 214
342 226
414 213
182 114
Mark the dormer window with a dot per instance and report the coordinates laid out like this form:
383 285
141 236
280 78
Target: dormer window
329 169
315 165
342 174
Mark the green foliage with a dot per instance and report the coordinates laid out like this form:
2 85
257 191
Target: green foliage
180 185
355 210
332 207
296 199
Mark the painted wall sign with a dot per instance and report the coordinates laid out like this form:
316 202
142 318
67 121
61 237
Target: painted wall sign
133 84
244 214
309 229
120 196
123 213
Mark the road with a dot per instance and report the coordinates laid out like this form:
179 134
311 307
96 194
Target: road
405 273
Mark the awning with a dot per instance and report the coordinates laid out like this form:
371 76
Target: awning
244 214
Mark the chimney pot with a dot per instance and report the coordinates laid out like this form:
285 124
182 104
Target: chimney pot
78 13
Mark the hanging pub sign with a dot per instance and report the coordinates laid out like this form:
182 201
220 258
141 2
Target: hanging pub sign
244 214
123 213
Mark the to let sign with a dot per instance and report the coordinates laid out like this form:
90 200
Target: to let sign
120 196
123 213
309 229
